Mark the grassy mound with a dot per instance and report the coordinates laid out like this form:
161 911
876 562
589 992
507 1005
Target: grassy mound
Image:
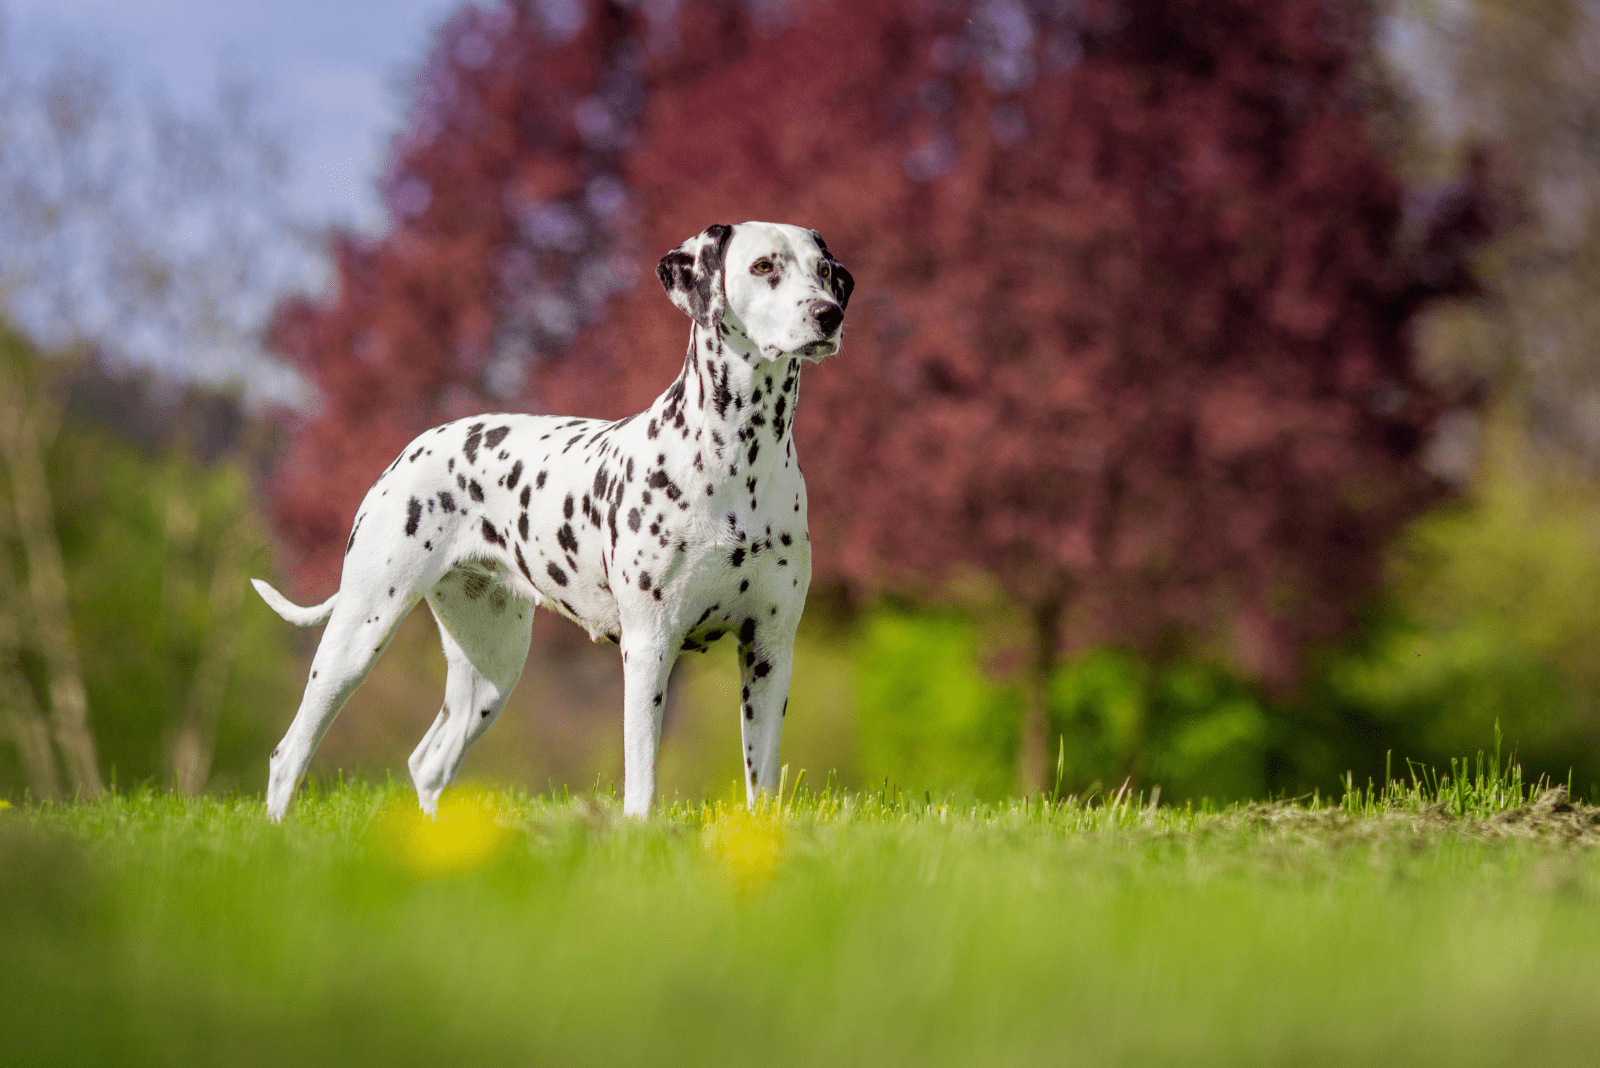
1438 922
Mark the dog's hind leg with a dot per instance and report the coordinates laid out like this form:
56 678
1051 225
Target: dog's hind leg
484 630
363 621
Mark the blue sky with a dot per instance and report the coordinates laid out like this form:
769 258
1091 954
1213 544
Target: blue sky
329 70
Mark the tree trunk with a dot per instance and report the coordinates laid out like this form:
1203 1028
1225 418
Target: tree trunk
22 433
24 720
195 740
1036 706
180 588
28 729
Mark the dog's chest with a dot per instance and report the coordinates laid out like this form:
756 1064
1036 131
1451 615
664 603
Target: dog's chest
746 582
705 553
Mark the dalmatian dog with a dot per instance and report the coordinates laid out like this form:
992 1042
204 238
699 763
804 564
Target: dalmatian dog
661 532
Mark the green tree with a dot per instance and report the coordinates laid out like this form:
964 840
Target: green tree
179 674
29 418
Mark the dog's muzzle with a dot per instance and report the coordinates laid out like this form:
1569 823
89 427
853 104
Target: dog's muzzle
827 316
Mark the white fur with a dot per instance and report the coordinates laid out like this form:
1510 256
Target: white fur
661 532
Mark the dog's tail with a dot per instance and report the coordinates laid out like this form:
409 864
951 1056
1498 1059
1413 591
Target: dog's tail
300 617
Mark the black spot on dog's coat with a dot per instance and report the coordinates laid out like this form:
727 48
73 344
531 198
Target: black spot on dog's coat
470 447
557 574
413 517
494 437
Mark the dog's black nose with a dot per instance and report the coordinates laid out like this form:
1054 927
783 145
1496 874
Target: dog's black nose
828 316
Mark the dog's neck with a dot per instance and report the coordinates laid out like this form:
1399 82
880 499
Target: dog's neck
733 410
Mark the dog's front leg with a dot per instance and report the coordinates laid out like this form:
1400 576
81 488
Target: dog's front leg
646 665
765 661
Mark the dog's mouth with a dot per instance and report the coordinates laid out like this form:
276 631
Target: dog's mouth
816 350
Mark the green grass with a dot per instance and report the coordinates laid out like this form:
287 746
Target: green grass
1446 921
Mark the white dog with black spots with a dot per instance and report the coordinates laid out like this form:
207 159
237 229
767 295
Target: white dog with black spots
661 532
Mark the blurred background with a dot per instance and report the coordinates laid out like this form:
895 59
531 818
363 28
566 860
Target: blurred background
1220 409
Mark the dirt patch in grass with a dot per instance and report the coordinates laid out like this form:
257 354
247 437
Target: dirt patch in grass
1549 816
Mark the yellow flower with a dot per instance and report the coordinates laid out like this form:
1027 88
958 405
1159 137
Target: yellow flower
747 845
4 805
463 836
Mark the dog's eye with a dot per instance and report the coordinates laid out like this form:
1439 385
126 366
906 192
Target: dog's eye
761 267
823 270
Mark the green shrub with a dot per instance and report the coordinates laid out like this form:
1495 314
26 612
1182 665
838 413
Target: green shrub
1191 728
1493 614
931 718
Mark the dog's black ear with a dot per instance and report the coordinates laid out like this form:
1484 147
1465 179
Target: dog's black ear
839 280
692 274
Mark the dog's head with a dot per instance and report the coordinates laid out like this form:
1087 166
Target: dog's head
771 290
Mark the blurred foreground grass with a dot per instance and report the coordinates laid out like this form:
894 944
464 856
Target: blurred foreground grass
1455 925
